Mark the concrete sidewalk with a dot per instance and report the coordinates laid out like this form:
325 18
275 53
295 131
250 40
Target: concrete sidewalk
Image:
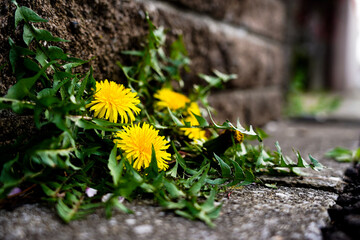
297 209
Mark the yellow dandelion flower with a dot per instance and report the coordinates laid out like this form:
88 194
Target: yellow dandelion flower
194 133
171 99
137 142
112 99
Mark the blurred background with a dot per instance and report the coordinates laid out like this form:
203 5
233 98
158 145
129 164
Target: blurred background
325 58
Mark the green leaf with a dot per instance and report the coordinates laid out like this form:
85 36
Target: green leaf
31 65
173 172
340 154
42 34
225 168
66 213
56 53
13 57
85 124
208 205
23 86
238 172
249 178
7 171
27 35
173 190
175 119
152 171
16 52
315 164
18 16
82 88
115 202
134 53
72 65
48 191
356 155
41 57
115 168
126 71
301 162
195 188
202 121
29 15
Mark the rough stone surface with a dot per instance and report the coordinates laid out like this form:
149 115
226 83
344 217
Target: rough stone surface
252 212
255 107
294 211
264 17
104 29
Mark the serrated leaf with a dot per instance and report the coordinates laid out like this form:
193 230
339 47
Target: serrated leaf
238 172
173 190
249 178
208 205
48 191
224 77
225 168
23 86
315 164
301 162
195 188
283 163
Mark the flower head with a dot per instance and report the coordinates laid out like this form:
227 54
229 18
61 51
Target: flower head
171 99
194 133
137 141
112 99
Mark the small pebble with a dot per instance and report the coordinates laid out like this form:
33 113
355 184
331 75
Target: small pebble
143 229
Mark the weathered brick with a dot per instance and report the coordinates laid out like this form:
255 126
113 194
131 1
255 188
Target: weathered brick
262 16
222 47
255 107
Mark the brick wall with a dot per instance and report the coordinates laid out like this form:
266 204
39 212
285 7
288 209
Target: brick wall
245 37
